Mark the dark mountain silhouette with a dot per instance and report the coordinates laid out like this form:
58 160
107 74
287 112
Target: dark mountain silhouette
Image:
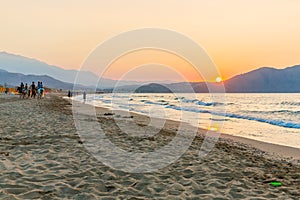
20 64
262 80
14 79
28 66
266 79
153 87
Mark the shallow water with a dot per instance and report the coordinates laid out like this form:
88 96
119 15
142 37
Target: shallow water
273 118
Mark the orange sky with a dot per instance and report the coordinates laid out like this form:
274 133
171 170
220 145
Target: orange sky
141 65
238 35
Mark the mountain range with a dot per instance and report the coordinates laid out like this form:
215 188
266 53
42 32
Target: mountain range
17 68
14 79
29 66
262 80
266 79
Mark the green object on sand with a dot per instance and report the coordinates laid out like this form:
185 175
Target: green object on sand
276 183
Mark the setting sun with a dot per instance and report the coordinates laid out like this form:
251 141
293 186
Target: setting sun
218 79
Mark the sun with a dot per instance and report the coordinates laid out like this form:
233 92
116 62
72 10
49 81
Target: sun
219 79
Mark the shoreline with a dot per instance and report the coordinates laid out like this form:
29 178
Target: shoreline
282 152
43 157
276 151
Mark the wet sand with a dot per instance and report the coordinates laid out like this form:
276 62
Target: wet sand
43 157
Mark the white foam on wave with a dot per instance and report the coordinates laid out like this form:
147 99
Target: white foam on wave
237 116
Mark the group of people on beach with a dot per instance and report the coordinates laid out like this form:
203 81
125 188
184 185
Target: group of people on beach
31 91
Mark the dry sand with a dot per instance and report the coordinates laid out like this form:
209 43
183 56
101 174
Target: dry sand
42 157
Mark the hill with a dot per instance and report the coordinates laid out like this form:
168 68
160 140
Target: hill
153 87
266 79
14 79
262 80
20 64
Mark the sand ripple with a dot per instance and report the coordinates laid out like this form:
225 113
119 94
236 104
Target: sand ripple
42 157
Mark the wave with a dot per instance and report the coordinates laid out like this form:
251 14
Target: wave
106 101
277 111
291 103
97 97
156 103
187 109
280 123
121 96
200 103
188 100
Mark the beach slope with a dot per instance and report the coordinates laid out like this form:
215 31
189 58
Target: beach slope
43 157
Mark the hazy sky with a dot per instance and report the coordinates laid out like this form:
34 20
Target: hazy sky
238 35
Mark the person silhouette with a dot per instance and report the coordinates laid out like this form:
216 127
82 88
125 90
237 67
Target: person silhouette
33 90
84 96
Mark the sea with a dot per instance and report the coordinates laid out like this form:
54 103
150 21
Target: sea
271 118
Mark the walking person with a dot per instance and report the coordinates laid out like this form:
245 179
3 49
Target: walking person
69 94
33 90
39 85
25 90
6 88
84 96
21 89
40 90
28 92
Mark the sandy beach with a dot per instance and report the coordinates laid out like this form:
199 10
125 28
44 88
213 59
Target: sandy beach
43 157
